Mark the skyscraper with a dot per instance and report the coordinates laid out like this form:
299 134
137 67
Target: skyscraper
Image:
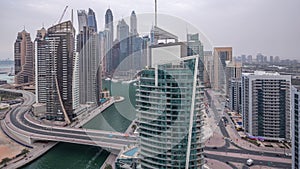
41 65
82 20
266 105
295 127
24 58
208 67
109 38
91 18
235 95
233 71
89 59
133 24
169 104
233 85
135 45
195 47
123 38
60 72
221 56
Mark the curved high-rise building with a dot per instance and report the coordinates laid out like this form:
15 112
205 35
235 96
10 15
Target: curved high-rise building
170 103
60 71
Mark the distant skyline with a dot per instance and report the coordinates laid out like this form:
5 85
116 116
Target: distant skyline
270 27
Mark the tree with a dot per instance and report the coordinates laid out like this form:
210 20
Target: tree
24 151
5 160
133 127
108 166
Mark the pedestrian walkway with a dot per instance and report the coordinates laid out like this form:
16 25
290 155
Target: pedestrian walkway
38 150
217 140
215 164
110 160
235 137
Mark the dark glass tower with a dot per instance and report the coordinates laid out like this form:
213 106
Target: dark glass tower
60 72
92 23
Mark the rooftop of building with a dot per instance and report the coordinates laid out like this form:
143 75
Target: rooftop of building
168 44
297 87
260 73
266 73
38 104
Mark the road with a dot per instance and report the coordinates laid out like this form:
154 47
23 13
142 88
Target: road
239 154
19 120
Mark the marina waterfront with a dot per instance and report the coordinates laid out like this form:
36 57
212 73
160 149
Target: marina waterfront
5 68
73 156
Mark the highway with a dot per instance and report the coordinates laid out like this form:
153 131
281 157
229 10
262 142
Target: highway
20 121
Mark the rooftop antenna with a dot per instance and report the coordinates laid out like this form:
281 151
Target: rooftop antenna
187 33
155 13
72 16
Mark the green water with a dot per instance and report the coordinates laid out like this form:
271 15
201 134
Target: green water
70 156
116 118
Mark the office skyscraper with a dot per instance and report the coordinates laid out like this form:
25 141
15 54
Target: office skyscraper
60 72
24 58
89 59
221 56
169 103
266 105
295 127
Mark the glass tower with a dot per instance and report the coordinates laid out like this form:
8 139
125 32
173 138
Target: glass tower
169 104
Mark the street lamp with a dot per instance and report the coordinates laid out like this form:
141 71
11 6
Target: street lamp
282 141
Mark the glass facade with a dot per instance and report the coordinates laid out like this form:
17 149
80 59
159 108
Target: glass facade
295 127
170 116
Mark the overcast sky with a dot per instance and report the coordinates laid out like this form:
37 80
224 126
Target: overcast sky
270 27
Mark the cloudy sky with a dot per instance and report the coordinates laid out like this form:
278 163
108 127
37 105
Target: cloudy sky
270 27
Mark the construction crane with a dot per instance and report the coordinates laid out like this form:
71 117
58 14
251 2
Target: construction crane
63 14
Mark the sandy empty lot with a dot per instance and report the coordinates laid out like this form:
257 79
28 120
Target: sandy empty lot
8 148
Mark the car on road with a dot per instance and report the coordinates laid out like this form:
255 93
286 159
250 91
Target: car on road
288 154
249 162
